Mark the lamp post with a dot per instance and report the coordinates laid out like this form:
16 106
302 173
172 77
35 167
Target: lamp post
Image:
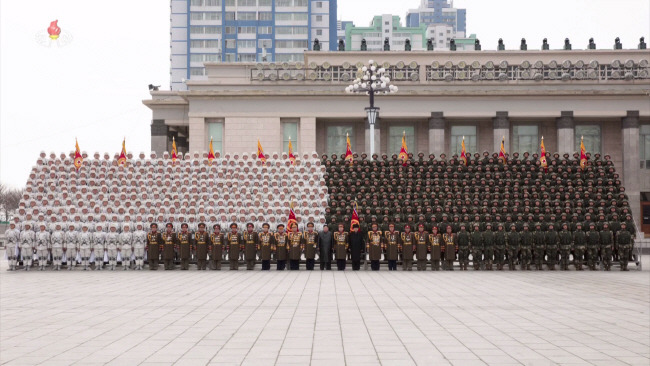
371 80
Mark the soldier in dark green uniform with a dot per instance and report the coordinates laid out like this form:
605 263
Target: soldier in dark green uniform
184 240
169 243
513 240
500 247
593 245
251 243
376 246
310 241
476 244
393 244
201 244
408 243
462 238
154 242
216 247
566 239
526 245
579 246
488 246
341 245
295 247
449 241
422 247
606 246
552 241
266 244
539 238
624 243
235 245
281 248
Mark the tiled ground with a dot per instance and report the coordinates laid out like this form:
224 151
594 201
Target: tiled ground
324 318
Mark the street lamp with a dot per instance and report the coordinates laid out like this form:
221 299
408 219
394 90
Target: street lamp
371 80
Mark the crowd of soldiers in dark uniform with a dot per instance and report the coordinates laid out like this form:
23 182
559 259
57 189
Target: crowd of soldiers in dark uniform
512 212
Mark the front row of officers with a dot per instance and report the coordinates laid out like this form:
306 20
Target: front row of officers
487 248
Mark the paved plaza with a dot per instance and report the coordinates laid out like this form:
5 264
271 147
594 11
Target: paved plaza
324 318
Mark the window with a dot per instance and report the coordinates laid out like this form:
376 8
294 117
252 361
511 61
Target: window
291 30
290 130
251 15
246 3
386 23
290 3
265 30
230 15
202 57
213 15
319 4
264 2
264 43
246 30
591 134
197 3
387 31
395 139
319 32
212 3
246 43
230 30
205 30
644 146
230 43
290 44
246 57
230 2
336 143
204 43
290 16
215 131
289 57
457 133
525 139
265 15
319 18
197 71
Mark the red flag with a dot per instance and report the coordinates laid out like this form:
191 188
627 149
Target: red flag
355 215
583 154
260 152
211 152
463 154
348 150
78 159
542 157
292 217
174 151
404 151
291 156
502 152
122 159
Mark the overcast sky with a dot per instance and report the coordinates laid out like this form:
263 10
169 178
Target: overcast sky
92 88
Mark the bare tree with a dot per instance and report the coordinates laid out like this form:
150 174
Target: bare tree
9 200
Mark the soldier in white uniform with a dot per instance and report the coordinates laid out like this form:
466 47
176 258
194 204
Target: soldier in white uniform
71 245
57 246
125 245
139 243
13 237
112 239
27 238
98 246
42 246
85 240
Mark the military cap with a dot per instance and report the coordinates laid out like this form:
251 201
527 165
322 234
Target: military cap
280 226
216 226
250 224
233 224
153 224
184 224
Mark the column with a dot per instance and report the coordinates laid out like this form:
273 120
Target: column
197 135
437 128
307 131
566 131
377 138
501 128
159 132
631 173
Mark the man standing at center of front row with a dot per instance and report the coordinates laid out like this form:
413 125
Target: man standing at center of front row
251 242
393 245
357 247
216 247
325 243
310 238
295 247
266 244
169 241
235 245
341 244
201 244
184 242
375 247
154 241
281 248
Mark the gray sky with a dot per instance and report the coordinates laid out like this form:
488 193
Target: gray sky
92 88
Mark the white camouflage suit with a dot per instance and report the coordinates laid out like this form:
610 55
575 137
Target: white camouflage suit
27 238
13 240
139 243
42 247
99 244
126 247
85 239
71 245
112 238
57 248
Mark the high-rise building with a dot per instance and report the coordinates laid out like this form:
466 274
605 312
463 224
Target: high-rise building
245 31
384 27
444 22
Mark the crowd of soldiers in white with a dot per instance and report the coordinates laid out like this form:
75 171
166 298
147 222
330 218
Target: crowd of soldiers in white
102 199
